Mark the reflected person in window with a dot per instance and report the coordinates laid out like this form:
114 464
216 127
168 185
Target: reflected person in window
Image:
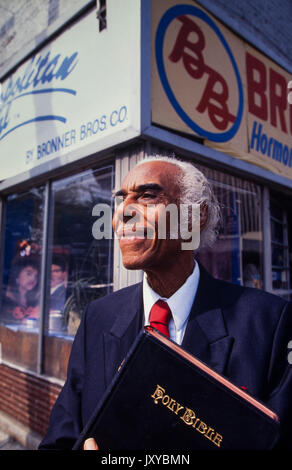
22 294
58 286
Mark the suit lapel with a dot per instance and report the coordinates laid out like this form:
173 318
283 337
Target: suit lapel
206 336
124 330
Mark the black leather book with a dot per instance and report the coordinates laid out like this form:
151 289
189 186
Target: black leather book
163 398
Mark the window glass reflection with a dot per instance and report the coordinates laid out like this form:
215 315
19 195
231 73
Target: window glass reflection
20 309
237 255
280 248
80 265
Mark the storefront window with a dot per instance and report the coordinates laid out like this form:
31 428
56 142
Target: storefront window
80 265
236 256
280 248
20 309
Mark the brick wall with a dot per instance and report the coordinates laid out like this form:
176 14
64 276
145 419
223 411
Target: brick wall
27 398
267 20
23 23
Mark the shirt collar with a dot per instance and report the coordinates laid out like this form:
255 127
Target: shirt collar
180 303
53 289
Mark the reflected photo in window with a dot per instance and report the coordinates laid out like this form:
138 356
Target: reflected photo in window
20 299
58 287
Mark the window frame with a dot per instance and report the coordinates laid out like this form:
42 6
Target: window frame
47 229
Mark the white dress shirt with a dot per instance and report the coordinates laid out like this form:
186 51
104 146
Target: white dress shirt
53 289
180 304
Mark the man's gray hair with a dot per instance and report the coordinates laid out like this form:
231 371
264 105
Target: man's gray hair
196 189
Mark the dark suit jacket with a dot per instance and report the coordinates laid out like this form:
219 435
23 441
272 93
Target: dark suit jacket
58 298
242 333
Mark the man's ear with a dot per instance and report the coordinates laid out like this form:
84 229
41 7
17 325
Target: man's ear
203 216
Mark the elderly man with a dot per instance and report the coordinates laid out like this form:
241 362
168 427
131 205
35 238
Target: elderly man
242 333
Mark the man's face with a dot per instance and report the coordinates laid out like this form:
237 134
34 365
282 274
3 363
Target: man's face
145 192
57 275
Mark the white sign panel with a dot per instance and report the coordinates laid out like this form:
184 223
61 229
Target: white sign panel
83 88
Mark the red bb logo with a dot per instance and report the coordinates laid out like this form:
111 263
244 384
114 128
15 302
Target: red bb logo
212 101
208 98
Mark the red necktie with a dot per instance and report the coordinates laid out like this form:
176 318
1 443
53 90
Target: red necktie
159 317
